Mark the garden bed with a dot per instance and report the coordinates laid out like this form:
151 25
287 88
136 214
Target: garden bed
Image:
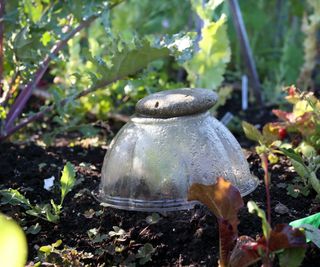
185 238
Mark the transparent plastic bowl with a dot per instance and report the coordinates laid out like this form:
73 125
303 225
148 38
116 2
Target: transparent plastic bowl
153 161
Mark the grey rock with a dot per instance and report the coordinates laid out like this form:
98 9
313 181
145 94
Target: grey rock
281 209
176 103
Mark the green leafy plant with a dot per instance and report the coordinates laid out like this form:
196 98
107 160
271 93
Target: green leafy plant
110 65
306 169
50 212
268 139
64 256
13 243
304 118
144 253
295 136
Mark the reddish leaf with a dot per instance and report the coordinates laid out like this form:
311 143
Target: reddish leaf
303 118
291 117
283 115
227 240
244 253
285 236
222 198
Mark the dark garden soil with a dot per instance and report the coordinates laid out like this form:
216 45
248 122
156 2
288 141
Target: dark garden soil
186 238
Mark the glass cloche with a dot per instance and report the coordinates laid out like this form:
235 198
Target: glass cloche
170 143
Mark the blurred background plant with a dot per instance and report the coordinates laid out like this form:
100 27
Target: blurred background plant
84 64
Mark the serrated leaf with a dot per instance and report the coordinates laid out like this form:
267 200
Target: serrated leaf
13 243
67 180
253 208
252 132
206 68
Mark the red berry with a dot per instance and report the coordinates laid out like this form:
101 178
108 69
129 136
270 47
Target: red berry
282 133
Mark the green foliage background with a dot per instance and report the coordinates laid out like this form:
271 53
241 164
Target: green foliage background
134 48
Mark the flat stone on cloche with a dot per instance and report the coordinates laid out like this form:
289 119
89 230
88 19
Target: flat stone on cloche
176 103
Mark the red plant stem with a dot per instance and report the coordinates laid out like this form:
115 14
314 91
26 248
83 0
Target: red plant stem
26 93
264 159
264 162
2 11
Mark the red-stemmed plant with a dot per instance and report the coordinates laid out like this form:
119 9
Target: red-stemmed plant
225 201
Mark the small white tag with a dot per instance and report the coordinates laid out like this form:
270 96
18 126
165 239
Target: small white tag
244 90
48 183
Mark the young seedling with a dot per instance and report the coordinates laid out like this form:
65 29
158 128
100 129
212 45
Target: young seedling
49 212
306 169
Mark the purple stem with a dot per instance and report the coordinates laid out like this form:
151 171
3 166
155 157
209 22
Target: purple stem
2 11
26 93
41 113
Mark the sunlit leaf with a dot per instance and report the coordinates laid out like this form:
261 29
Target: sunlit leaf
68 179
252 132
14 197
253 208
222 198
206 68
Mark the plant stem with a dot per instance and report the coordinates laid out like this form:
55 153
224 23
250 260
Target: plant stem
2 11
24 96
264 162
41 113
